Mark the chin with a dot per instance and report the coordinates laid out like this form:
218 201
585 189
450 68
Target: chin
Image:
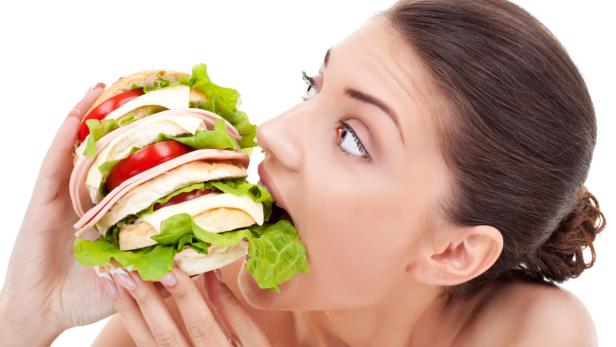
263 299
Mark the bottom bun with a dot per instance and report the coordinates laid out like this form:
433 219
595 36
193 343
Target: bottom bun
194 263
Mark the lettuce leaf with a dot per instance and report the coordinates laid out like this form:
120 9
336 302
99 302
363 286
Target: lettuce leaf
193 242
98 129
222 101
152 263
276 255
217 138
105 169
178 226
275 252
240 187
235 186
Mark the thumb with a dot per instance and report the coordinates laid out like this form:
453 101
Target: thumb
55 169
62 145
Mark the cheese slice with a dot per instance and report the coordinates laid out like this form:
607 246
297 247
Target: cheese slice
203 203
169 97
141 136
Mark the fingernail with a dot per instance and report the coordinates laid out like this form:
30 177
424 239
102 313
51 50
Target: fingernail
123 278
97 85
218 275
107 282
169 280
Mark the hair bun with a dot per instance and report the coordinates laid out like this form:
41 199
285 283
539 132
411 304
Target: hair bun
561 256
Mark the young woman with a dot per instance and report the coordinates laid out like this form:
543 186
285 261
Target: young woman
435 173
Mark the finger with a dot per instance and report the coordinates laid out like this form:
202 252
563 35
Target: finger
164 293
198 319
158 319
232 312
65 136
128 310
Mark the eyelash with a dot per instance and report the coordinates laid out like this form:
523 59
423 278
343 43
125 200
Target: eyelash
310 82
341 124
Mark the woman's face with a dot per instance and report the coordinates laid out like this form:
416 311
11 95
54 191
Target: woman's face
358 181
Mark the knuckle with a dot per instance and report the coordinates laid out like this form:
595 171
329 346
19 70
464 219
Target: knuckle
165 339
202 332
141 343
75 112
140 296
180 291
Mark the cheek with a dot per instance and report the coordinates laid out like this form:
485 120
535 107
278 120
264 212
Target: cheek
358 240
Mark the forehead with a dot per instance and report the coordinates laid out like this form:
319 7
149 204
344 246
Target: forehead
377 60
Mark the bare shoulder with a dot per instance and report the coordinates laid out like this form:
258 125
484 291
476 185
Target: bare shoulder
527 314
552 316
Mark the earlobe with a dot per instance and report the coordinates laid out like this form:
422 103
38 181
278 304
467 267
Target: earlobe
465 253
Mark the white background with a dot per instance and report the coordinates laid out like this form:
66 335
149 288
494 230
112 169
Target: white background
52 51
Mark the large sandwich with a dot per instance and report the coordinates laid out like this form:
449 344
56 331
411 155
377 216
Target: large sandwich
160 177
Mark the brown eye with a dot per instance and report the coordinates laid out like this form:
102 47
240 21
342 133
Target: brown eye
348 141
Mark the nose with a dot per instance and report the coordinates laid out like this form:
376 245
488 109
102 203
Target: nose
281 139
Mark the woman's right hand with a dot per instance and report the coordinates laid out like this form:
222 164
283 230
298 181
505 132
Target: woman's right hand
46 290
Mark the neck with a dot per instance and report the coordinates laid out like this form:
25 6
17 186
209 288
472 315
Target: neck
403 317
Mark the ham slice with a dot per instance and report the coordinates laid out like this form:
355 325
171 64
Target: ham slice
80 196
93 215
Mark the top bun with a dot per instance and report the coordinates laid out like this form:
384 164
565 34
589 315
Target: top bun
144 78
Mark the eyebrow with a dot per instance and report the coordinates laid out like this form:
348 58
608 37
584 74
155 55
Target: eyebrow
369 99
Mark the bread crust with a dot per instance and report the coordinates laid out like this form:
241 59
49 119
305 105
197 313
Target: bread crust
147 77
194 263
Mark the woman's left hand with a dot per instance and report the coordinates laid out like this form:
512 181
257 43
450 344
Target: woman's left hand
150 323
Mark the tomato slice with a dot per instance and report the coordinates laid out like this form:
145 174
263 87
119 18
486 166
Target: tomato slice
103 109
184 197
144 159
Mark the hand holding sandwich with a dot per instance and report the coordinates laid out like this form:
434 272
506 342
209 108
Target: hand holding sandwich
46 290
222 321
158 182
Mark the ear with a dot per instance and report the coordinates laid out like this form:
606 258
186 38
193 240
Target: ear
458 255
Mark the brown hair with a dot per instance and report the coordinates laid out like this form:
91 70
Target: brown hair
518 135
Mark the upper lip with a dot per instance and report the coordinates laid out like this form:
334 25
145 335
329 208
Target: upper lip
270 184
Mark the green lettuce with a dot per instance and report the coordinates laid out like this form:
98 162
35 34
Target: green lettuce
152 263
98 129
275 252
276 255
235 186
217 138
221 100
105 169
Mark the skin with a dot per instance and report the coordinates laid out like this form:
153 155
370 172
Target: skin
380 252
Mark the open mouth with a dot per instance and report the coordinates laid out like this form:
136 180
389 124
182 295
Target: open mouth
279 213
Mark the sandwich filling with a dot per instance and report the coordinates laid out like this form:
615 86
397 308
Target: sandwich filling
159 200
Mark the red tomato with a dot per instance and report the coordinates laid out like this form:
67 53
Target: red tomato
184 197
144 159
102 110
